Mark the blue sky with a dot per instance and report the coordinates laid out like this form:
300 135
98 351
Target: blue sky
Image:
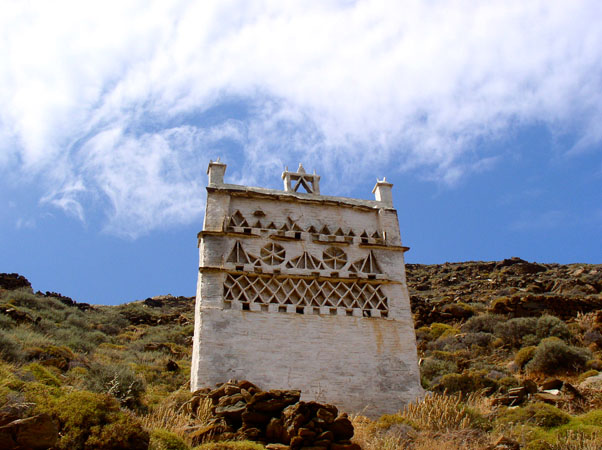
487 117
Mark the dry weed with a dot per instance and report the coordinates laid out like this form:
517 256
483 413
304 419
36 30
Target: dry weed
454 440
438 421
574 440
178 418
438 412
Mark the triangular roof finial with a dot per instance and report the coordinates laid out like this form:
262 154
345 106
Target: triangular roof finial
300 169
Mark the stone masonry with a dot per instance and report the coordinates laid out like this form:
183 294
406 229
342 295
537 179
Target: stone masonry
304 291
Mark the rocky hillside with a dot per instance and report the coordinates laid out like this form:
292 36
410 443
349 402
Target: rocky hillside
513 287
510 350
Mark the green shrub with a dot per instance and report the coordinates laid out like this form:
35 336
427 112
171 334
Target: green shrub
23 298
524 355
77 321
519 331
483 323
594 364
166 440
548 326
539 444
477 339
554 355
9 349
6 323
92 421
80 340
439 330
456 382
123 433
117 380
592 418
539 413
43 374
432 368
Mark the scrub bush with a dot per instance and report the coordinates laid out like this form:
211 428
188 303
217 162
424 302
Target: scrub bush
483 323
519 331
93 421
548 326
9 349
166 440
117 380
553 355
524 355
539 414
432 368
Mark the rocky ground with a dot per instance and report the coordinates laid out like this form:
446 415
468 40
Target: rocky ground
516 288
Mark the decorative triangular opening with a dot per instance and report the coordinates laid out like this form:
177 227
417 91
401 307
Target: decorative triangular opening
366 265
238 255
339 232
271 226
302 182
312 229
364 234
325 230
258 224
238 220
305 261
351 233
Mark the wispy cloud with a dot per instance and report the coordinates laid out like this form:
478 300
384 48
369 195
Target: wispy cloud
115 103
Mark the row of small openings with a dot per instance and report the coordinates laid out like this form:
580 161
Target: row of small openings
238 220
333 274
301 309
297 234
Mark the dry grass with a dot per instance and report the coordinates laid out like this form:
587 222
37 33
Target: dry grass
438 421
177 417
574 440
442 412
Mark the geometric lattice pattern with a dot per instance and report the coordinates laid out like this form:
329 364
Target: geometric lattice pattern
300 292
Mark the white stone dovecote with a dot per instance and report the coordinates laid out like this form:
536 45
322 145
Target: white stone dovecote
304 291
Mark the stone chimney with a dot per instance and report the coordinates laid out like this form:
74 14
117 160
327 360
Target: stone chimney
216 171
382 192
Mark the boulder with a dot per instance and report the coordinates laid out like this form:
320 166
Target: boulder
172 366
39 432
551 383
592 383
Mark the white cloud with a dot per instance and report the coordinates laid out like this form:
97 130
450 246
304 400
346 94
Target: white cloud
103 99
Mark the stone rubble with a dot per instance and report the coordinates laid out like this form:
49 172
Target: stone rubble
552 391
275 418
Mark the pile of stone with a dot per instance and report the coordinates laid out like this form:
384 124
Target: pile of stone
275 418
552 391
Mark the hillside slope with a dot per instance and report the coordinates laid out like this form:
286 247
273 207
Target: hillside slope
500 330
